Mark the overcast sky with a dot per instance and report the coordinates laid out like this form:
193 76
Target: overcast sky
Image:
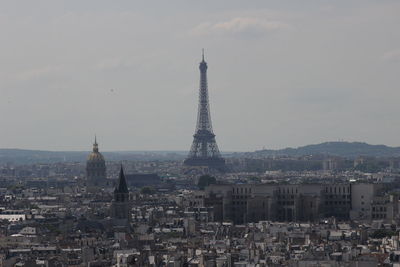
281 73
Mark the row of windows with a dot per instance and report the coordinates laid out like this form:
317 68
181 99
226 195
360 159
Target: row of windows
378 208
286 196
285 202
333 190
95 165
338 196
240 197
329 203
292 190
287 191
241 190
378 216
339 189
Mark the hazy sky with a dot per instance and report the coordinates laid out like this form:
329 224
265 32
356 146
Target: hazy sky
281 73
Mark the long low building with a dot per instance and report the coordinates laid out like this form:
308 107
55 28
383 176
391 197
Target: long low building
242 203
12 215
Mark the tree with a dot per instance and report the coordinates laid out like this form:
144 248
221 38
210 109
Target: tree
147 190
381 233
205 181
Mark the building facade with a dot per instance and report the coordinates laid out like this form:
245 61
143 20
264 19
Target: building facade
245 203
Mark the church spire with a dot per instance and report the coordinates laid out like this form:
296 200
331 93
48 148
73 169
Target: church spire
95 145
121 186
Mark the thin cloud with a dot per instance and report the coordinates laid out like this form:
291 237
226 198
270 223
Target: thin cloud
113 64
38 73
393 55
240 25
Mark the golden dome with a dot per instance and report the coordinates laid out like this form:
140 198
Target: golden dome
95 155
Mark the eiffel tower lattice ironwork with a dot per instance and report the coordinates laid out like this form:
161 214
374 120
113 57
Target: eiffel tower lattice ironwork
204 150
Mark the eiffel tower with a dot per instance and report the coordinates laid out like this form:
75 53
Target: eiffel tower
204 150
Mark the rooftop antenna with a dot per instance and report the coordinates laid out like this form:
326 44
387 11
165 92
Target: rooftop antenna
202 53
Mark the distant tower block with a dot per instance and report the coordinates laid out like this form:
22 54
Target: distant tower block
204 150
95 170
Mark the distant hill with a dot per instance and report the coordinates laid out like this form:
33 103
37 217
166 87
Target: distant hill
342 149
22 156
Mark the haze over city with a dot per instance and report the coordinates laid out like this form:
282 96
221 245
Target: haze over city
280 73
186 133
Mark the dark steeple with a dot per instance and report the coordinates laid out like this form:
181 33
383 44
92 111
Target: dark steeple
121 206
121 186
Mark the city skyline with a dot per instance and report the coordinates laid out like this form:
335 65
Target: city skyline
293 160
282 75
